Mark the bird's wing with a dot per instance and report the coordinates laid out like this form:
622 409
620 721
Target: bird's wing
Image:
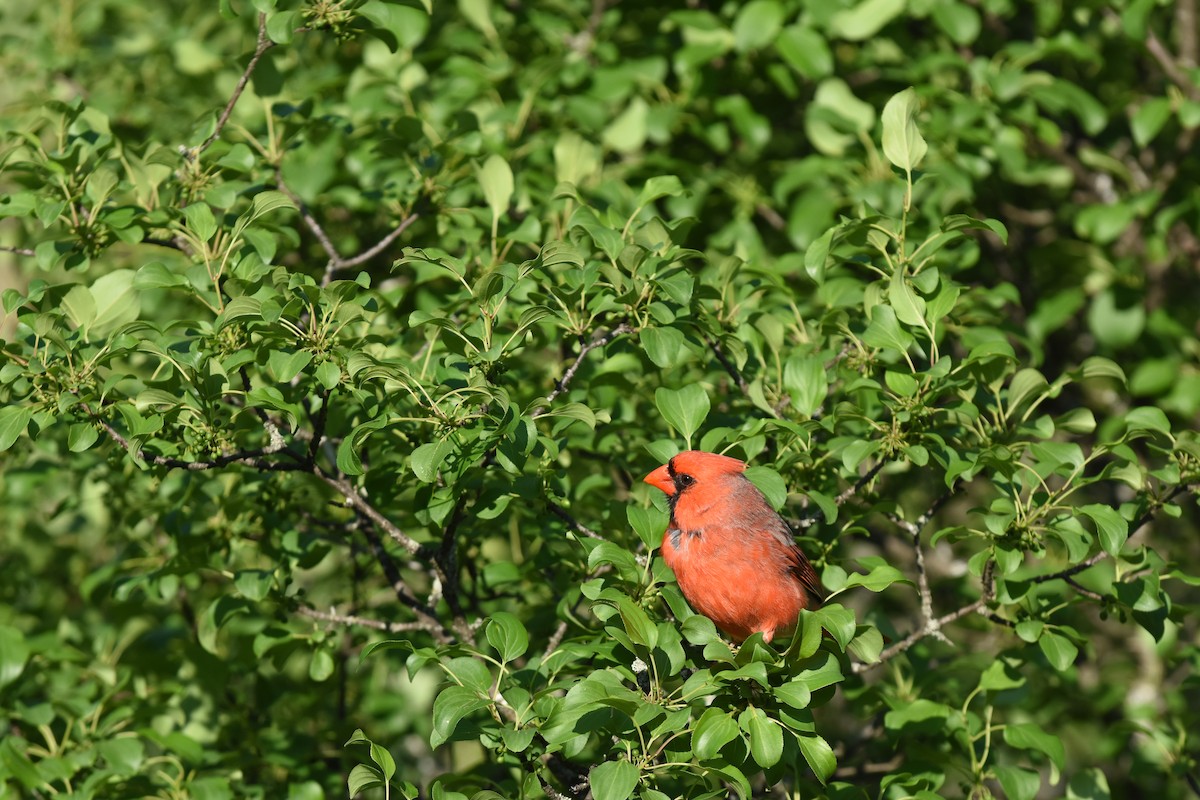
759 515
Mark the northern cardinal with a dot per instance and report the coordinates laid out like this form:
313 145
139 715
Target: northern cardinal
734 557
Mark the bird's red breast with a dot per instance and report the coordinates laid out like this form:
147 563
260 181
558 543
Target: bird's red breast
734 557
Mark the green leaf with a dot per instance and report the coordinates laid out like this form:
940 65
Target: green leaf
1099 367
383 759
1059 650
285 366
884 331
713 730
795 694
155 275
363 777
659 186
757 24
613 780
496 181
766 737
13 421
1030 630
254 584
1018 783
1149 119
1089 784
200 220
451 705
879 578
116 301
507 634
1000 676
864 20
1028 736
81 436
960 21
14 652
805 380
427 460
1148 418
80 306
1112 527
123 755
910 307
805 51
770 483
1023 386
902 141
663 345
683 409
321 665
818 754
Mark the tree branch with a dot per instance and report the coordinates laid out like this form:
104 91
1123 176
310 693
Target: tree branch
931 627
336 262
598 340
575 524
351 619
263 44
715 346
433 625
360 504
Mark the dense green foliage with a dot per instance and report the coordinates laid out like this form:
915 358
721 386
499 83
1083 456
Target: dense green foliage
341 333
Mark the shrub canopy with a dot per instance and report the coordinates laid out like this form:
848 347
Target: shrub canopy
341 333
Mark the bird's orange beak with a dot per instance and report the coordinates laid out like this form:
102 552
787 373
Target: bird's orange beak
661 479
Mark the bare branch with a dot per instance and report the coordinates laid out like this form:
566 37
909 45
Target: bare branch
575 524
249 458
859 484
598 340
379 246
263 44
21 251
360 504
309 219
715 346
1185 33
556 638
336 261
392 572
914 530
351 619
931 627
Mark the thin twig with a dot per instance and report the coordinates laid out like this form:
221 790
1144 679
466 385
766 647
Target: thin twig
556 638
859 484
21 251
575 524
336 262
249 458
381 245
1074 584
392 572
263 44
360 504
715 346
309 219
988 582
914 530
351 619
598 340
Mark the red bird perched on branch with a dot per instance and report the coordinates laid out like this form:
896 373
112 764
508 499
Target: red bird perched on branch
734 557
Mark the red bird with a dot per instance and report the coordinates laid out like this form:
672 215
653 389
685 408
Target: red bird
734 557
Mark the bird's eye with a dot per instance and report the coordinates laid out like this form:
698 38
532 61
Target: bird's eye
685 481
